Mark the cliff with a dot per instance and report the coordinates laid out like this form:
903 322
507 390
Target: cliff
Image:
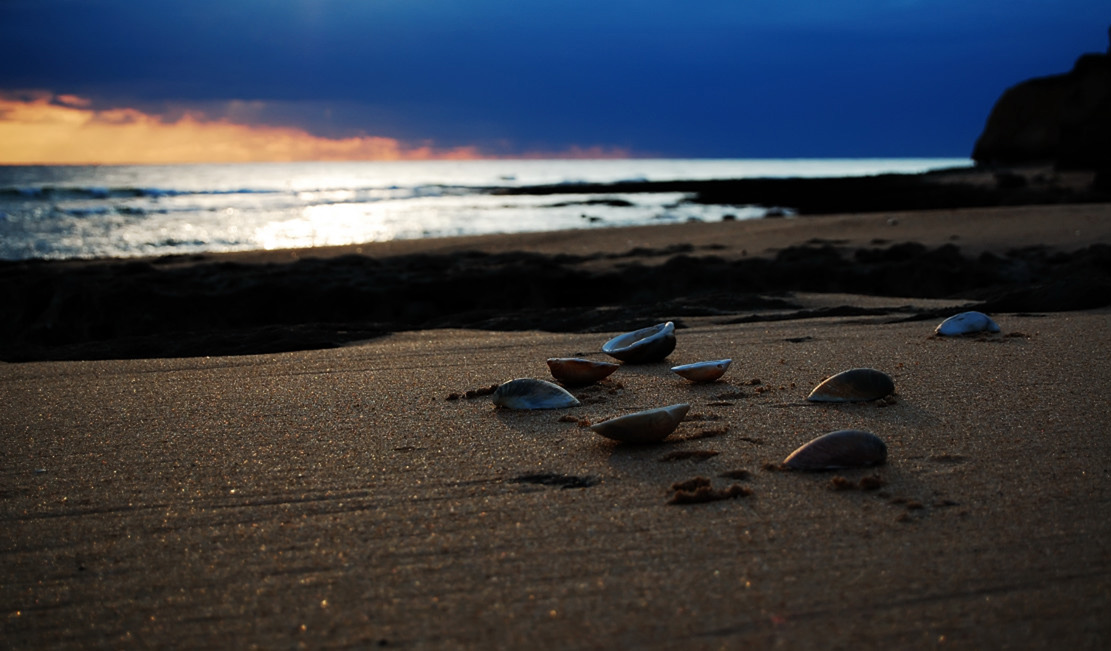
1062 119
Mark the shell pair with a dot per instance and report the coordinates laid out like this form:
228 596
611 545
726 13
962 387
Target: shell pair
847 448
648 426
642 346
655 343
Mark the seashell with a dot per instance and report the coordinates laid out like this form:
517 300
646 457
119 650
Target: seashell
966 323
846 448
854 385
702 371
573 371
641 346
647 426
527 393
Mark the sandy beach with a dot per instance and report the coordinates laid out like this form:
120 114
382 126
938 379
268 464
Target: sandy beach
347 493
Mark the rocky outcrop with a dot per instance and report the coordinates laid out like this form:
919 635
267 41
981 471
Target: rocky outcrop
1063 119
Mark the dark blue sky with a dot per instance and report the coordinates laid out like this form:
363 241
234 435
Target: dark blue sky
676 78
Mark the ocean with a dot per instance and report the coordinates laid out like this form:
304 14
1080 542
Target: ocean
82 212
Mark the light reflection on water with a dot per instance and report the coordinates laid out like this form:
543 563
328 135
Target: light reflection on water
80 212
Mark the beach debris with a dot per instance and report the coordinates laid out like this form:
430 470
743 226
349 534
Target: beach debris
854 385
650 344
529 393
869 483
649 426
556 479
966 323
701 372
685 455
473 393
705 433
740 473
846 448
568 418
698 490
573 371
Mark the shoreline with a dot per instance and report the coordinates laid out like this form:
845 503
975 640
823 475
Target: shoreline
1010 259
938 189
949 189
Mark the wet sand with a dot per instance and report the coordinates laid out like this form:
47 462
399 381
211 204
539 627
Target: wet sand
1011 259
355 497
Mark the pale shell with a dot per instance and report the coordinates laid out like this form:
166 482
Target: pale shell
846 448
527 393
647 426
650 344
966 323
573 371
854 385
702 371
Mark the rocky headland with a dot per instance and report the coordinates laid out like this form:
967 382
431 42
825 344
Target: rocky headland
1062 119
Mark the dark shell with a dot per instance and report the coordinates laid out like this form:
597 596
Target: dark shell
573 371
643 346
846 448
647 426
854 385
527 393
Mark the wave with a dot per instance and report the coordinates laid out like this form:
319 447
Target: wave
66 193
96 192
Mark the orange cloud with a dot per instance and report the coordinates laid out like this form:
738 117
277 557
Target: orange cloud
64 130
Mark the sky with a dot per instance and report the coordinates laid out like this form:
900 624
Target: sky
123 81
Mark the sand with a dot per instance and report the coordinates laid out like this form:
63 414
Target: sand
342 498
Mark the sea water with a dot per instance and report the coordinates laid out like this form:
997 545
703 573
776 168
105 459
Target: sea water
69 212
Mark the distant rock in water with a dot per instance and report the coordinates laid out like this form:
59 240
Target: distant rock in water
1062 119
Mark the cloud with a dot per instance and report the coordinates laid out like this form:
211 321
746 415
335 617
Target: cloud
42 128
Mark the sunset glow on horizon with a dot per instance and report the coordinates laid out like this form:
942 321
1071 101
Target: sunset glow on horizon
111 81
63 130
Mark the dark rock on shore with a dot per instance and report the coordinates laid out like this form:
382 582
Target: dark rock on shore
941 190
115 309
1062 119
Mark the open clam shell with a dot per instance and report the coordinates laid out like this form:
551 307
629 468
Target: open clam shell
647 426
846 448
573 371
854 385
966 323
527 393
702 371
642 346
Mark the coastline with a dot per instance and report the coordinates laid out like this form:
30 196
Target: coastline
974 187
